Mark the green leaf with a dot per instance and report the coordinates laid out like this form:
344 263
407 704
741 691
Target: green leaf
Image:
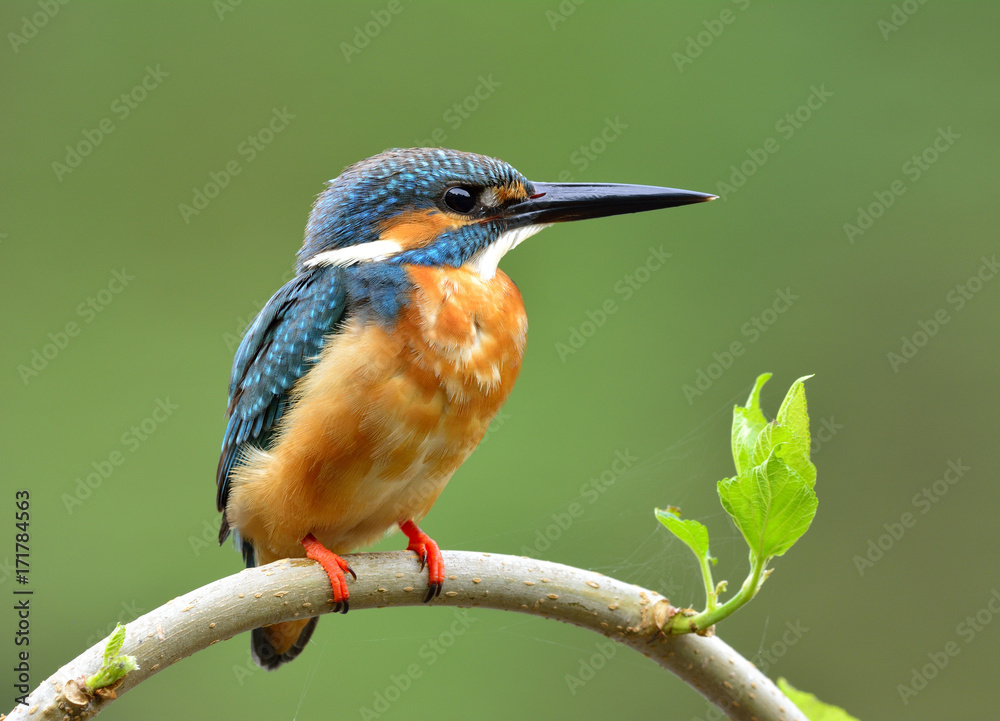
813 708
693 534
771 498
772 505
748 422
793 416
115 643
779 441
115 667
792 412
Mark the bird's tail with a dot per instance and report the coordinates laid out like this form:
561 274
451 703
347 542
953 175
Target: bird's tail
272 646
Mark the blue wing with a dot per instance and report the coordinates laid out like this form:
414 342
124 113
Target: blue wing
279 348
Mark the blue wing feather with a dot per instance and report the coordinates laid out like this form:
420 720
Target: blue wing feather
279 348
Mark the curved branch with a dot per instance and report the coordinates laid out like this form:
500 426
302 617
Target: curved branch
296 588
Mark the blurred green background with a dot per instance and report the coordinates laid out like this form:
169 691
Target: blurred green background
811 113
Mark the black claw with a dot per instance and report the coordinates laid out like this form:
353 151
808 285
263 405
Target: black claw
423 560
433 591
353 574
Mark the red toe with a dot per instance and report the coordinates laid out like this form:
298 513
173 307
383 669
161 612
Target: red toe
430 555
335 568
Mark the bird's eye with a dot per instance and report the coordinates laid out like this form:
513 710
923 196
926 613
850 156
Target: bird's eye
460 200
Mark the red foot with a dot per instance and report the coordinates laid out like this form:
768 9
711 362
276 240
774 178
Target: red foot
334 566
430 555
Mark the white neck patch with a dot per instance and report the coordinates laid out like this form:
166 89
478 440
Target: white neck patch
485 262
352 254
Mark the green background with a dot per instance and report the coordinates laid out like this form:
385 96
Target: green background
557 75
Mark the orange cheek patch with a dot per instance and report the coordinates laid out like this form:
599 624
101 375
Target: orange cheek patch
418 228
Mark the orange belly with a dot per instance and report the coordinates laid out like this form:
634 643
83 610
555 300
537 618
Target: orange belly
381 422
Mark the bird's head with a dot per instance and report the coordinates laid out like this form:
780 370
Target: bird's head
432 206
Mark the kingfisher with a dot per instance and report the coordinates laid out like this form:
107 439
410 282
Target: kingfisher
369 377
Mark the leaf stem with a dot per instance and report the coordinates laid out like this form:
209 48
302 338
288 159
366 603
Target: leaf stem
714 613
711 597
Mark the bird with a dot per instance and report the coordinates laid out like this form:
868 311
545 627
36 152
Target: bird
371 376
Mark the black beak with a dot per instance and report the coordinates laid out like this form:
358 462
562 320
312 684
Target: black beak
558 202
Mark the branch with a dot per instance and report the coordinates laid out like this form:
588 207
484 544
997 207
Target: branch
296 588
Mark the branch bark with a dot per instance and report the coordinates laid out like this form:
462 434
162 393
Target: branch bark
296 588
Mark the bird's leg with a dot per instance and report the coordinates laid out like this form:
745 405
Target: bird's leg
430 555
335 566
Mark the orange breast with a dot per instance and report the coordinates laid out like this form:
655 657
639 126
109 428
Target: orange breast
385 418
